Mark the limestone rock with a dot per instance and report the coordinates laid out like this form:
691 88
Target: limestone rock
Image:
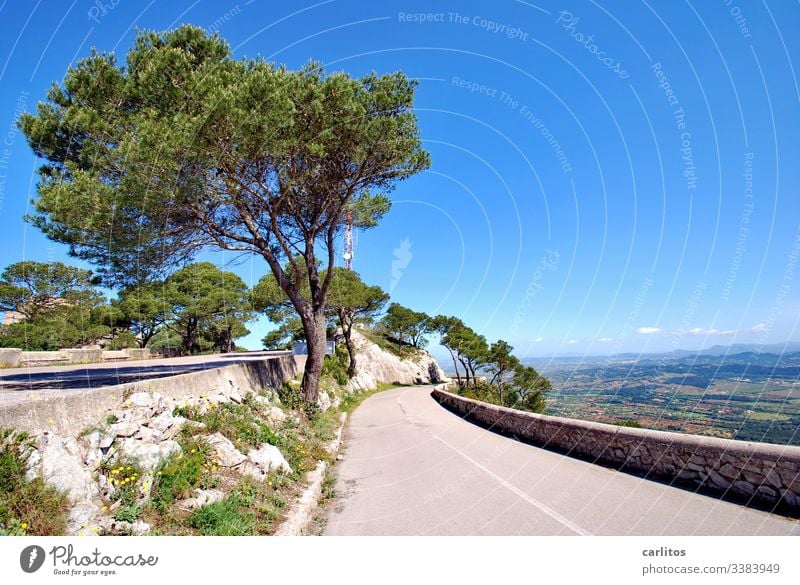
269 458
324 401
62 467
200 499
276 415
148 434
123 429
251 469
149 455
229 456
82 516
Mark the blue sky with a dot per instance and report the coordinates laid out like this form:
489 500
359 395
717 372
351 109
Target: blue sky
606 177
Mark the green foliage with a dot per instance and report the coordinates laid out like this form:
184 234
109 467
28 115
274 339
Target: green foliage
204 300
335 367
629 423
58 303
406 325
181 473
27 506
128 513
252 508
186 147
290 395
238 422
126 476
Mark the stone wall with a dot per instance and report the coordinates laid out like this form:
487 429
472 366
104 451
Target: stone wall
70 412
756 473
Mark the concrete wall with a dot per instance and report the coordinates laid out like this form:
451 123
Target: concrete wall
760 473
68 413
9 358
12 358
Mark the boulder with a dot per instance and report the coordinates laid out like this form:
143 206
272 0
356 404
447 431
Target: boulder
201 498
149 455
229 456
63 468
269 458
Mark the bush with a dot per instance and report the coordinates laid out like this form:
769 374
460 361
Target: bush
180 474
27 506
238 422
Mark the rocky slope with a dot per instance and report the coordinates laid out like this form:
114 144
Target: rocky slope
375 365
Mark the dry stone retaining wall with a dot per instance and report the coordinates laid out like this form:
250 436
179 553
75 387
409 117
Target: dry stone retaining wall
760 473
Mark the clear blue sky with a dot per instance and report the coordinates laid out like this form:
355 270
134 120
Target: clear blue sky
607 176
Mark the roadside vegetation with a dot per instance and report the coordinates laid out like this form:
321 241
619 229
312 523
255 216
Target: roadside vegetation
27 506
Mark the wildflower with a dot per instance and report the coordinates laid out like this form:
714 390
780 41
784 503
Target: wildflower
24 525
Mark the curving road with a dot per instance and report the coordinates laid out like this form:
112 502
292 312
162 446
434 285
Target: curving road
411 467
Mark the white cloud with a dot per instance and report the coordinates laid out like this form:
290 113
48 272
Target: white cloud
648 330
538 340
572 341
712 331
606 339
759 327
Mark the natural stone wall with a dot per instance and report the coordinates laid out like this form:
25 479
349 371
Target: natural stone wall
759 473
67 413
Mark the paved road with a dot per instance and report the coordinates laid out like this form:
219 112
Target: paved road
20 384
411 467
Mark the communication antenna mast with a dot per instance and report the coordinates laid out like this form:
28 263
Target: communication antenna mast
348 242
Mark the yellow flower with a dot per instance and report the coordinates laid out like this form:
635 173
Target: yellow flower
24 525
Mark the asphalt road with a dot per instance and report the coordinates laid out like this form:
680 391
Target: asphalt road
20 384
410 467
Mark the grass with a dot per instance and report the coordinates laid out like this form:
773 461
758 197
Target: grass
240 423
401 350
252 508
179 475
27 506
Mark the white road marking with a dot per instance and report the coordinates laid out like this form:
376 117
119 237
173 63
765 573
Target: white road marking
514 489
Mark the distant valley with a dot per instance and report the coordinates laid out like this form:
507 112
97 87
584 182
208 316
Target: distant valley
738 392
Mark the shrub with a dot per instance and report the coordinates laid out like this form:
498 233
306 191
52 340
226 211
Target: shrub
27 506
181 473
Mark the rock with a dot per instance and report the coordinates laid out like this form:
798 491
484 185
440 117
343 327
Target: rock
229 456
718 480
149 435
253 470
743 487
63 469
323 401
33 465
774 479
106 440
149 455
269 458
339 457
169 426
140 527
729 471
123 429
142 400
276 415
767 492
200 499
82 517
235 395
